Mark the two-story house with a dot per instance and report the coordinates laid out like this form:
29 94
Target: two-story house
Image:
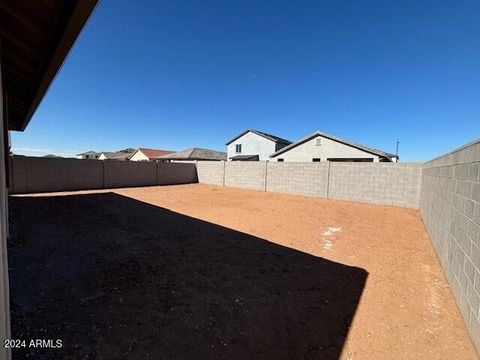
254 145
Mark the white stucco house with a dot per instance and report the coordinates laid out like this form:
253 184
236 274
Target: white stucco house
321 146
117 155
89 155
254 145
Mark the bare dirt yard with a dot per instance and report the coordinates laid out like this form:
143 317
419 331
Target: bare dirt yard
205 272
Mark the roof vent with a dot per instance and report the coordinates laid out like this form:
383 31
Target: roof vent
318 141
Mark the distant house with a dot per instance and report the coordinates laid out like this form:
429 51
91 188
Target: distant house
88 155
194 154
321 146
119 155
254 145
143 154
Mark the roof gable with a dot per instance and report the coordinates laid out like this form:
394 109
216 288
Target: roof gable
117 155
270 137
337 139
196 154
154 153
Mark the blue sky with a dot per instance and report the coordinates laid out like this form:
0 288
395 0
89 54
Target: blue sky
178 74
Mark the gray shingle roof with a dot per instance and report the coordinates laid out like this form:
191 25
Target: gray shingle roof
335 138
263 134
117 155
195 154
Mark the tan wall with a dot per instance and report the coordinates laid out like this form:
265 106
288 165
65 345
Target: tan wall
246 174
379 183
176 173
450 208
307 179
33 174
211 172
126 173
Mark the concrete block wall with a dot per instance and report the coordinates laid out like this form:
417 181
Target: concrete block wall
125 173
211 172
246 174
51 174
450 208
307 179
176 173
34 174
396 184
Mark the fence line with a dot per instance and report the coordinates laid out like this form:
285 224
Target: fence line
380 183
34 174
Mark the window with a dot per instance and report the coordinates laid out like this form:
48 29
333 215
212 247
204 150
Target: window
316 159
318 141
280 160
238 148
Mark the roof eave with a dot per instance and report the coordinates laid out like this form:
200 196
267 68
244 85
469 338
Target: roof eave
80 15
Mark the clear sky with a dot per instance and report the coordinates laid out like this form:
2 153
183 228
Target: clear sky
174 74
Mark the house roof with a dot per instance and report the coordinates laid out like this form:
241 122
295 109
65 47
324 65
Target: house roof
195 154
338 139
36 38
91 152
273 138
154 153
244 157
119 155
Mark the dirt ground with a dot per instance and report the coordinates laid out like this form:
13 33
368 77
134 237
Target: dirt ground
205 272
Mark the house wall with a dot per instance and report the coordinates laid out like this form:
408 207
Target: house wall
450 207
139 156
378 183
328 149
4 289
252 144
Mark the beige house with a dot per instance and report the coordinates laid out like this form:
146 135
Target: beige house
118 155
143 154
321 146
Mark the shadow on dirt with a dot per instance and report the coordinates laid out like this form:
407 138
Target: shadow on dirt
113 277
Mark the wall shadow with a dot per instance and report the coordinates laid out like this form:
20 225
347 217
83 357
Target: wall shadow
114 277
